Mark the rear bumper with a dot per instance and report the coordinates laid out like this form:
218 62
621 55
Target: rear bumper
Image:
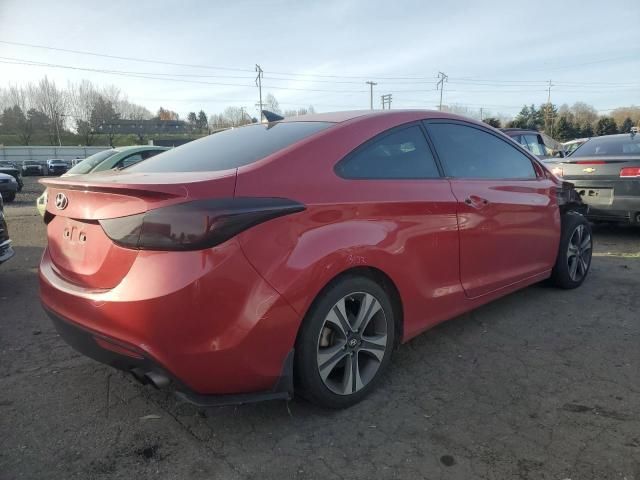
132 360
205 319
622 205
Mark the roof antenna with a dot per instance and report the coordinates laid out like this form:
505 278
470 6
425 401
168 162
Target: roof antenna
272 117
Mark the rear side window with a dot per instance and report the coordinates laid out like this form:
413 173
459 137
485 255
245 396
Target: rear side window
401 154
468 152
231 148
532 143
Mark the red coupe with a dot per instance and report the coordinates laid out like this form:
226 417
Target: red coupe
301 252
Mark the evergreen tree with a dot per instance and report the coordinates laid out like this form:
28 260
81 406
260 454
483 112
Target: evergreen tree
606 126
494 122
626 125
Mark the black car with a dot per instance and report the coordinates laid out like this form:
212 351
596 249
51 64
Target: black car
541 145
6 252
606 172
32 168
10 169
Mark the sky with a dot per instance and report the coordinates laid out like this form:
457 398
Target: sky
497 55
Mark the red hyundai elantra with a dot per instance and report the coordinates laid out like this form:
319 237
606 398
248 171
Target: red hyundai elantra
300 252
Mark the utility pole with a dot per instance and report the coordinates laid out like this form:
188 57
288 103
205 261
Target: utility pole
548 121
440 85
481 114
386 101
371 84
259 85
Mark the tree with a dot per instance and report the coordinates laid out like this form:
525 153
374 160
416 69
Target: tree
103 115
233 117
53 103
606 126
192 118
586 130
494 122
626 125
529 117
564 129
82 99
202 122
584 113
165 114
622 113
271 103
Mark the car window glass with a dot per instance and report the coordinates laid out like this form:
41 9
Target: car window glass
610 145
532 143
402 154
130 160
231 148
469 152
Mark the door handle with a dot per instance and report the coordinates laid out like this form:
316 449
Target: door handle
476 201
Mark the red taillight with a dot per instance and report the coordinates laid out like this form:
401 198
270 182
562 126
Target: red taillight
195 225
630 172
590 162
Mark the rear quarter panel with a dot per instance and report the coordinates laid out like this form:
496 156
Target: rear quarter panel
405 228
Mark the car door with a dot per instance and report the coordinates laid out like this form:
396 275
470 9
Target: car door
507 212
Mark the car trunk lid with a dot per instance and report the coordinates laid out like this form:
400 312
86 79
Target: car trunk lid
593 168
80 250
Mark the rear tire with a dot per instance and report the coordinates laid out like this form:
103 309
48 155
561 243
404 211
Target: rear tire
574 253
345 343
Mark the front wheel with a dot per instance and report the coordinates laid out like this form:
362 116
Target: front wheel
345 342
574 254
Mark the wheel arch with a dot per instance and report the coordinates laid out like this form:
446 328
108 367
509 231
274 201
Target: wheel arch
378 276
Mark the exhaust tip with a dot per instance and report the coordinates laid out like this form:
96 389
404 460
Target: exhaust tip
156 379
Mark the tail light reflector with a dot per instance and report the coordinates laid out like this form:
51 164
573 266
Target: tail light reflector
591 162
195 225
630 172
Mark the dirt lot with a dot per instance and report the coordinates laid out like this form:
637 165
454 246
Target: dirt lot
543 384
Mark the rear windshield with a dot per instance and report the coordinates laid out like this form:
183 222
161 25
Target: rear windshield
89 163
613 146
231 148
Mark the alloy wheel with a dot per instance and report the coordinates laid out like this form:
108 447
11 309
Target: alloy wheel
579 253
352 343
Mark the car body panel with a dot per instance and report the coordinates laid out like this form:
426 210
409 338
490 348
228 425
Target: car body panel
509 230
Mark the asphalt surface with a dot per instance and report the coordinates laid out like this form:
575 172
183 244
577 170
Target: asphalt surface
543 384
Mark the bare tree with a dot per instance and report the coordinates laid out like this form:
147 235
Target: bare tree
52 101
234 116
83 97
271 103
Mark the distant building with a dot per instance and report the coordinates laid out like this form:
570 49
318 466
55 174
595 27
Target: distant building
144 127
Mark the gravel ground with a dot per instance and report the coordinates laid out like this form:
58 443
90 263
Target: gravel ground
543 384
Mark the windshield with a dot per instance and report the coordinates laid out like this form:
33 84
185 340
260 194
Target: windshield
618 145
91 162
231 148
